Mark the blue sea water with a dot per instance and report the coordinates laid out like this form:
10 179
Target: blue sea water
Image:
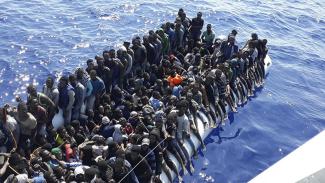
39 38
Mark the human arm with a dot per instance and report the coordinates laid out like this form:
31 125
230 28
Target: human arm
4 167
71 95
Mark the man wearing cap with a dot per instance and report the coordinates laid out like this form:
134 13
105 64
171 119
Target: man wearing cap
196 27
150 155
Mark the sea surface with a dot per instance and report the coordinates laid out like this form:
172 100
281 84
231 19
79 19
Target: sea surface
39 38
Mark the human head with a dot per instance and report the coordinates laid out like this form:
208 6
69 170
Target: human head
234 32
79 73
254 36
126 44
57 153
34 104
49 82
209 27
112 53
63 82
22 108
93 74
231 39
180 12
199 15
31 89
72 79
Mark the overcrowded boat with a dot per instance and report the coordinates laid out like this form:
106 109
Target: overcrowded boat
135 114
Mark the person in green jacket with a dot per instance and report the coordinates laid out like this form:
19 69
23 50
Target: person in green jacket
164 40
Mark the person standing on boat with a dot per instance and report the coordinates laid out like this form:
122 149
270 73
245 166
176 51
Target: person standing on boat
41 116
171 34
116 67
196 27
179 35
66 98
151 52
27 124
42 100
208 38
153 39
50 90
104 73
231 49
164 41
98 89
140 55
80 93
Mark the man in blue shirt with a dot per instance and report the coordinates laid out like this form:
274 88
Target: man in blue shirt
98 89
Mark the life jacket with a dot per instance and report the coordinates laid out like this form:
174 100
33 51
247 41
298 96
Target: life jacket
174 81
64 96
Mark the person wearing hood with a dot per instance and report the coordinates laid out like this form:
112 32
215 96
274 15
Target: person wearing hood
118 137
66 98
107 128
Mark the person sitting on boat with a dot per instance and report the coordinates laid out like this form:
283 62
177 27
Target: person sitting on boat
174 79
196 27
122 168
208 37
66 98
141 166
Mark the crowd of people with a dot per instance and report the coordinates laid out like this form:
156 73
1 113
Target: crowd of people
129 107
